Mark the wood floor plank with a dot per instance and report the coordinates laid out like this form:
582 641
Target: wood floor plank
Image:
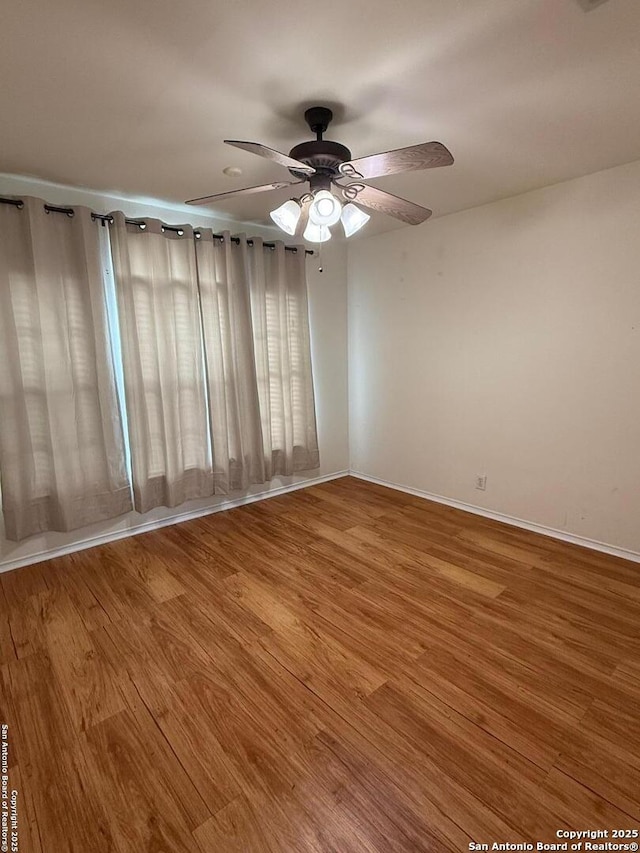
147 568
8 651
208 590
170 543
452 572
507 717
149 800
193 740
432 794
627 675
605 774
380 802
307 641
35 709
343 669
407 805
445 810
157 642
70 812
478 762
574 803
54 778
117 589
21 585
23 633
234 829
86 679
521 669
66 573
616 720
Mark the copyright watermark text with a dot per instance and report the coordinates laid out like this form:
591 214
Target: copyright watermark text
586 840
8 799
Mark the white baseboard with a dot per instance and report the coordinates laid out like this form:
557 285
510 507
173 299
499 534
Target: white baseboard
146 526
582 541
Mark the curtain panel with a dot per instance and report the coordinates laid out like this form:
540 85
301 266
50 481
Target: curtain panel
62 462
232 382
282 346
203 341
217 364
163 362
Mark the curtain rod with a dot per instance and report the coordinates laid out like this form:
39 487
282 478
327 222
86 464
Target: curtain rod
105 217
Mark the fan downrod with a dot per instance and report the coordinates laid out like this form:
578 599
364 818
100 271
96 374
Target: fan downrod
325 156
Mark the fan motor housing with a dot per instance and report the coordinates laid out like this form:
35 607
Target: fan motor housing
323 155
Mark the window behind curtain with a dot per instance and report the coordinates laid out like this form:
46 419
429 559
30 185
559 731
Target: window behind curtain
61 441
144 359
161 338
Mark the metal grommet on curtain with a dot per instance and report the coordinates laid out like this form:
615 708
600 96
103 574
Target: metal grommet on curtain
50 208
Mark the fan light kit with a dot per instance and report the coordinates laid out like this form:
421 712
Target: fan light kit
324 210
287 216
316 233
326 165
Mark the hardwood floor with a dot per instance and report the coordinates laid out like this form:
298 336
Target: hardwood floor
345 668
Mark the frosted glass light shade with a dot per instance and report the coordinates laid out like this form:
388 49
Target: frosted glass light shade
316 233
353 219
287 216
325 208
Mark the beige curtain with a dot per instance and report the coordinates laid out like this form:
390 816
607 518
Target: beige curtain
282 346
256 333
236 427
160 329
61 445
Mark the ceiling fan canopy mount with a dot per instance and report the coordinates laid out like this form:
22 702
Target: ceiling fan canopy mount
322 155
318 119
322 163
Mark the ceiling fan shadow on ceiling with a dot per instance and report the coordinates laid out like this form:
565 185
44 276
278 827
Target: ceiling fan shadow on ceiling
333 178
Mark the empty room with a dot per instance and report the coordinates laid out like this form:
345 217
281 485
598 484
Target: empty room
319 426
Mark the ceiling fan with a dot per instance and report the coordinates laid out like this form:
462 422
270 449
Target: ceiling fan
326 165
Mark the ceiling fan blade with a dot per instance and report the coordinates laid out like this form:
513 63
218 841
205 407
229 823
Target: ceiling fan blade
276 185
428 155
270 154
383 202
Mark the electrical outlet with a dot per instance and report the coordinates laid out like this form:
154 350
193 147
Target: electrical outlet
481 482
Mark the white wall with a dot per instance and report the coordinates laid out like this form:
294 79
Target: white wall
328 321
506 340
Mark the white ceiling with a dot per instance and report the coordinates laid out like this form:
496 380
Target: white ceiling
136 97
